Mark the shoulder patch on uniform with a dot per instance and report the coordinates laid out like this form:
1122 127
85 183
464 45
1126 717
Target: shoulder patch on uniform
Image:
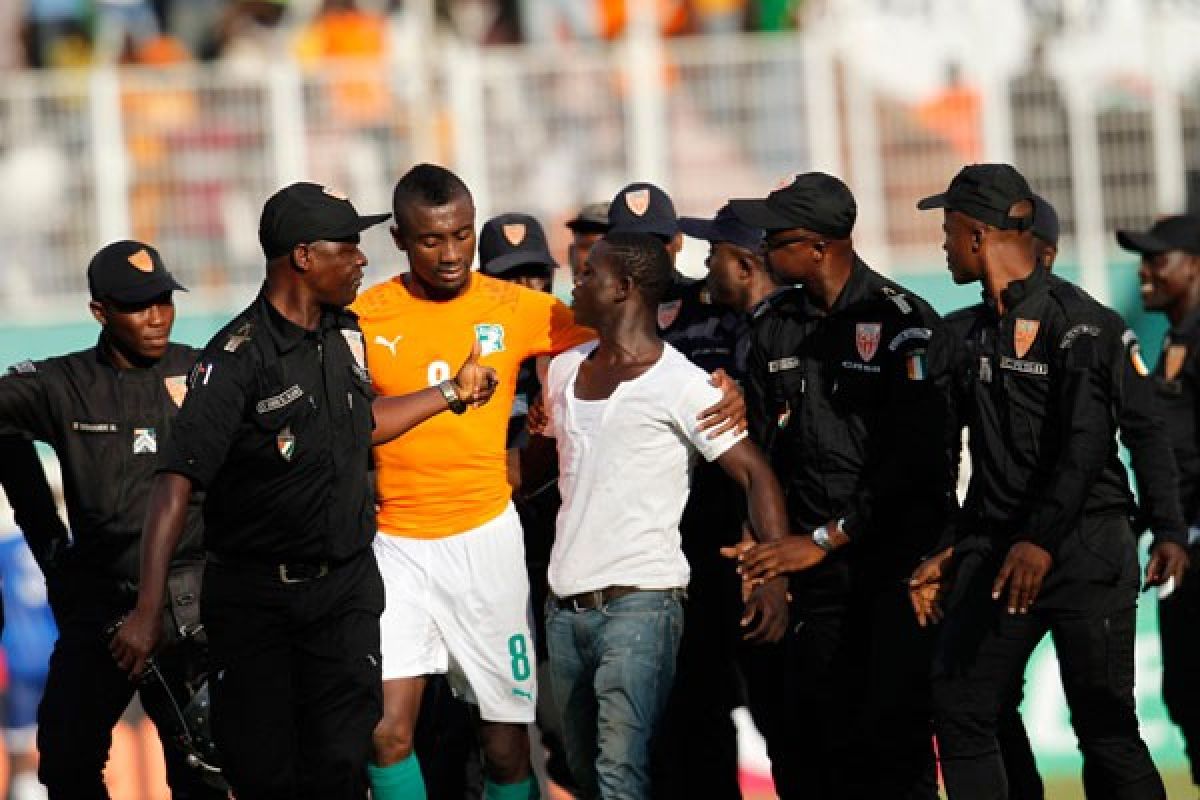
1075 331
1129 337
25 367
239 338
924 334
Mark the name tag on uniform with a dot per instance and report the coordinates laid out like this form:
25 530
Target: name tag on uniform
781 364
1025 367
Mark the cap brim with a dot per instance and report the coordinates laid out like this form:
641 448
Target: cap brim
759 214
699 228
580 225
1142 242
148 290
933 201
510 261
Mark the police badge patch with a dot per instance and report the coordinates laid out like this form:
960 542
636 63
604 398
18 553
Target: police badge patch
285 442
668 312
1024 332
144 441
176 388
866 339
638 201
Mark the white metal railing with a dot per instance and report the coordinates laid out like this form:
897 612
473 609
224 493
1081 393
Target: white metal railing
184 157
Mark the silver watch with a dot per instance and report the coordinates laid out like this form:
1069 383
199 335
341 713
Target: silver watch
821 539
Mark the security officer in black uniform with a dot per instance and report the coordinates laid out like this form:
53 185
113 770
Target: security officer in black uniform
106 412
848 394
696 725
1144 434
277 427
1170 279
1043 542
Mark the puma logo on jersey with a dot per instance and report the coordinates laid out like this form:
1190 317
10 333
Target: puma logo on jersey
390 345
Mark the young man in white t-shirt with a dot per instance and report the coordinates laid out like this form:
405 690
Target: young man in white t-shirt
624 413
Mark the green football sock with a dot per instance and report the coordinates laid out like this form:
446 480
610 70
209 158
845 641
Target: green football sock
399 781
521 790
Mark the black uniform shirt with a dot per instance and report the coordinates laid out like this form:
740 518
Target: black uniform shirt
277 426
851 406
1041 412
107 426
1177 377
1139 421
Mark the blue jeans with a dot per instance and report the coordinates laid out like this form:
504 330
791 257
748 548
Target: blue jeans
611 671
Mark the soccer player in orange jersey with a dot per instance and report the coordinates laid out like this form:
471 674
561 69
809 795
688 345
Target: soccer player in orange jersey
450 546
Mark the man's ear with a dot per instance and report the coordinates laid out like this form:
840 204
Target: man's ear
397 239
99 312
300 258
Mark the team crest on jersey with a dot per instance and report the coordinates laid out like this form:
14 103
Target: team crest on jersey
490 336
1024 332
141 261
515 233
144 441
866 339
638 201
668 313
176 388
285 442
1173 361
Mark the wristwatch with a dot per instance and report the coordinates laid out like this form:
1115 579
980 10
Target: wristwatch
821 539
452 399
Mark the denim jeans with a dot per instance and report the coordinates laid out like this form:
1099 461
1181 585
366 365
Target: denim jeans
611 671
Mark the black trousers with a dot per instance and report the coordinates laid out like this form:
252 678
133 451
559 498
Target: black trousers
848 687
1024 780
697 727
297 689
1178 618
85 695
1088 606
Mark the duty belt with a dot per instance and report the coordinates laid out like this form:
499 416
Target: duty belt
283 571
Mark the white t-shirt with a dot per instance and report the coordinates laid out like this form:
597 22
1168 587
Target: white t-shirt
625 467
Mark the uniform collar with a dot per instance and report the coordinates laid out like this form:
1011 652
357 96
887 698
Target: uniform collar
1187 325
1019 290
286 334
103 358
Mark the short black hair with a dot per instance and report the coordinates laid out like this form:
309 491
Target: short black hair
427 185
644 260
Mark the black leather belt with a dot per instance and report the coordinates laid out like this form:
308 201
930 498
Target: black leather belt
283 571
588 601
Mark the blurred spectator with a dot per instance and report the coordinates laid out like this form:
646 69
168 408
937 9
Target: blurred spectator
776 15
12 20
719 16
56 36
249 35
121 25
554 20
357 93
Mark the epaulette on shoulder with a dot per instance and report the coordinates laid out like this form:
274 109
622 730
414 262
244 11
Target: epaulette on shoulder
898 298
780 298
243 334
25 367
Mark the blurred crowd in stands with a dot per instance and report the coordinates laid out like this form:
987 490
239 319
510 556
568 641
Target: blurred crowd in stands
75 33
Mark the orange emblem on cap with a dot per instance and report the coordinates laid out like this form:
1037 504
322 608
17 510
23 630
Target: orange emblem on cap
1175 356
1024 332
515 233
638 201
141 260
340 195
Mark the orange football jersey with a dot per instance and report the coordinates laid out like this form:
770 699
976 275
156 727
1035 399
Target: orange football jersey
448 475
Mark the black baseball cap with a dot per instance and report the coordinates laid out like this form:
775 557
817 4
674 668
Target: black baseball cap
1179 232
129 272
509 241
724 227
592 218
985 192
814 201
1045 221
308 212
643 208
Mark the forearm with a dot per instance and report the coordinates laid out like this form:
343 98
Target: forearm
166 513
395 416
767 508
